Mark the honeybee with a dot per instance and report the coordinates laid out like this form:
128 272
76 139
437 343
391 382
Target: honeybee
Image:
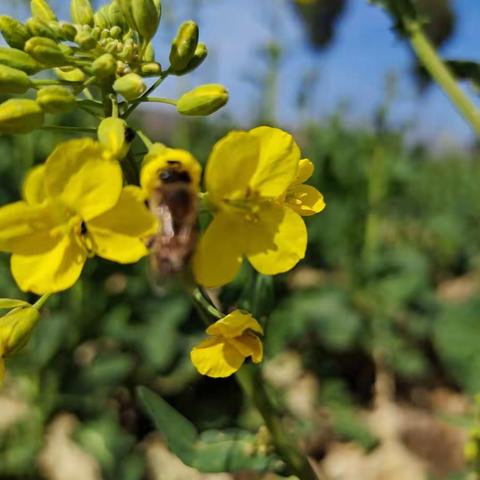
174 202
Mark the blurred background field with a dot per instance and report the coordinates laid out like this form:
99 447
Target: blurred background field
373 340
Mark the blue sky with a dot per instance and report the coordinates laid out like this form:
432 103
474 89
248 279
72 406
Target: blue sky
353 71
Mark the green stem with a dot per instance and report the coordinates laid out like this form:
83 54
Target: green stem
134 106
41 301
114 100
427 54
146 141
89 95
57 128
252 383
201 300
169 101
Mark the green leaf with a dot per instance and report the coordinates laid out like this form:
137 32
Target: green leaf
456 334
179 432
212 451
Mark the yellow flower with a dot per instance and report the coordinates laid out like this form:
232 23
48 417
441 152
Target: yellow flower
254 182
232 339
74 207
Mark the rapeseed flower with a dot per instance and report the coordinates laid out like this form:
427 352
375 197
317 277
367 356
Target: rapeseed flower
254 182
232 340
74 207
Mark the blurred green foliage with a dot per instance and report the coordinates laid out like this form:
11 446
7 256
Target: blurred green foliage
401 224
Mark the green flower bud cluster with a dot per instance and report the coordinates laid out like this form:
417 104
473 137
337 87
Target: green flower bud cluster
186 53
110 48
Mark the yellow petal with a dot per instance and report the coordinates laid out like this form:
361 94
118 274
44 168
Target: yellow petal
52 271
34 186
216 358
231 165
159 158
305 200
81 174
234 324
277 242
27 229
305 171
120 233
278 161
249 345
218 255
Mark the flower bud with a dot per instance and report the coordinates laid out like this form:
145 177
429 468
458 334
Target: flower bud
46 51
183 46
20 115
70 74
113 135
42 11
14 58
149 54
55 99
95 33
13 80
115 32
150 69
126 52
131 86
115 16
112 46
38 28
66 50
126 9
199 56
57 30
100 18
85 40
146 17
104 67
16 328
14 32
68 30
203 100
81 12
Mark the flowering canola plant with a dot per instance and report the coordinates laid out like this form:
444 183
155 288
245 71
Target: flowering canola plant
93 198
